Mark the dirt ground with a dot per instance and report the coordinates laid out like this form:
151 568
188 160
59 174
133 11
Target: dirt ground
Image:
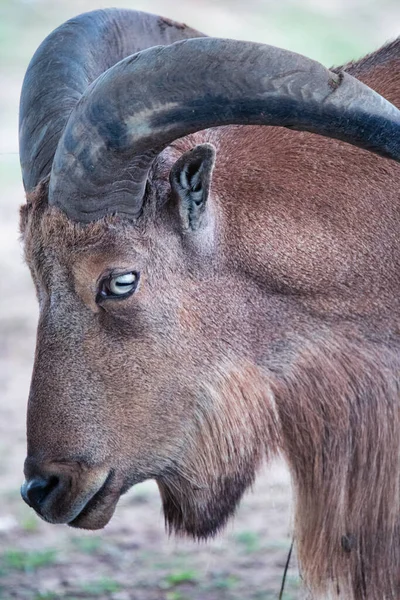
132 559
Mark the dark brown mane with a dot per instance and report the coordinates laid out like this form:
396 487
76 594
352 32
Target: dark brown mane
387 55
380 70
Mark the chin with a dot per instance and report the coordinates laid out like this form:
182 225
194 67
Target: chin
200 512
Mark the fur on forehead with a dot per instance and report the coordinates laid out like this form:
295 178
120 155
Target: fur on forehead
55 230
52 229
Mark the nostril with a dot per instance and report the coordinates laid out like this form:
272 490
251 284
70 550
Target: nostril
38 489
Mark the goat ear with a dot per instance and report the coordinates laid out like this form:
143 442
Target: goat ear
190 180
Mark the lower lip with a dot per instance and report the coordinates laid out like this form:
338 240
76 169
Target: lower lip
95 500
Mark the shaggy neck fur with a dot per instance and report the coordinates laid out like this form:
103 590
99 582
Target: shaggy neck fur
334 414
339 413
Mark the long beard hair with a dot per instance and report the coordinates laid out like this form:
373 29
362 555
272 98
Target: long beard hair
236 426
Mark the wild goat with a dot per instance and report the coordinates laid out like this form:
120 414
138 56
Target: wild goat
212 293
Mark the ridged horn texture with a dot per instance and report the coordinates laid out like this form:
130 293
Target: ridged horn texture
143 103
99 139
67 62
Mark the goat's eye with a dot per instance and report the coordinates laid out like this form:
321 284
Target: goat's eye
119 286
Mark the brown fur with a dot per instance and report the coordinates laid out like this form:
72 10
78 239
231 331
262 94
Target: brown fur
277 332
339 410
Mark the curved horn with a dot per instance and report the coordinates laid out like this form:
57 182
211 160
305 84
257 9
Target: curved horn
67 62
139 106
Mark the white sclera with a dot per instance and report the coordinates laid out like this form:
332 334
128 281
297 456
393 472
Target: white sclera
122 284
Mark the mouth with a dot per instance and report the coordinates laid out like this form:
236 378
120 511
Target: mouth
98 511
74 493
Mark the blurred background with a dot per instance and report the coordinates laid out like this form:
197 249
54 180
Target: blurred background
132 559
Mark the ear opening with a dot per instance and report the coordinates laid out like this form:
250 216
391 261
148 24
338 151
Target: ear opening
190 180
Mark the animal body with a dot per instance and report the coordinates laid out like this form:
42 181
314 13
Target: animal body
213 291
